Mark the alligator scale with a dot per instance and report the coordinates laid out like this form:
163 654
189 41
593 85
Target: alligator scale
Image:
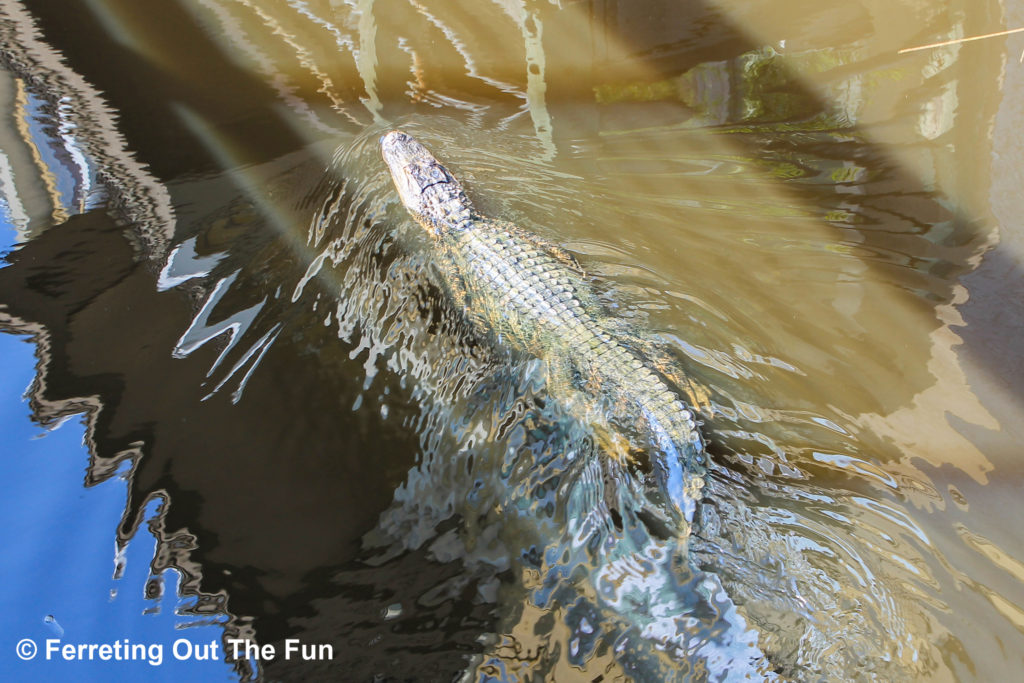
534 298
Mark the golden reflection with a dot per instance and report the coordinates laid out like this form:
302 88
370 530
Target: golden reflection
1012 612
60 214
536 87
922 429
366 57
258 57
992 552
530 647
297 43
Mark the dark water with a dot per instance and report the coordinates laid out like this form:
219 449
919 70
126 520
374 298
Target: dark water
216 273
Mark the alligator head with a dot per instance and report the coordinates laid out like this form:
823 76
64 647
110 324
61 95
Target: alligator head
426 187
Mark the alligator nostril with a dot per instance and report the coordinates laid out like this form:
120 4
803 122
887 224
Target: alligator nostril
392 135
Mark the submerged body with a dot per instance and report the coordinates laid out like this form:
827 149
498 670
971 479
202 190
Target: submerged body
534 298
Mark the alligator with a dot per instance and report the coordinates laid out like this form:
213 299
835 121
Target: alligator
533 297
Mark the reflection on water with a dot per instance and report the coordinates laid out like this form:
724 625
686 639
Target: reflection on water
791 211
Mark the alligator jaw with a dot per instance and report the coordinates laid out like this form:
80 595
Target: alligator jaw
421 180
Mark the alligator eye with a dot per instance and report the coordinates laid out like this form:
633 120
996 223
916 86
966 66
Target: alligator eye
436 174
431 174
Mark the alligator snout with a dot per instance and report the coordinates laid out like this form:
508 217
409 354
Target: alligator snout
394 137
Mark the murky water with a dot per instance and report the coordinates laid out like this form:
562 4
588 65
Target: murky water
822 233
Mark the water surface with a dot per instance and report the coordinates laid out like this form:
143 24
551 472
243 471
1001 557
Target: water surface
824 235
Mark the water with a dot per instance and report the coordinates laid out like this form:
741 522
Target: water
213 264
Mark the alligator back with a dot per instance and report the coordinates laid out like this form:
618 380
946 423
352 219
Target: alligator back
532 297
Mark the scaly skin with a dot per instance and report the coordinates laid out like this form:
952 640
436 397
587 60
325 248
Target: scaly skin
533 297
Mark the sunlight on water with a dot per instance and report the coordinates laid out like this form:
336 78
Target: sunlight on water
787 213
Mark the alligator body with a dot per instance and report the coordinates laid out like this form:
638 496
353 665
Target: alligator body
533 297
